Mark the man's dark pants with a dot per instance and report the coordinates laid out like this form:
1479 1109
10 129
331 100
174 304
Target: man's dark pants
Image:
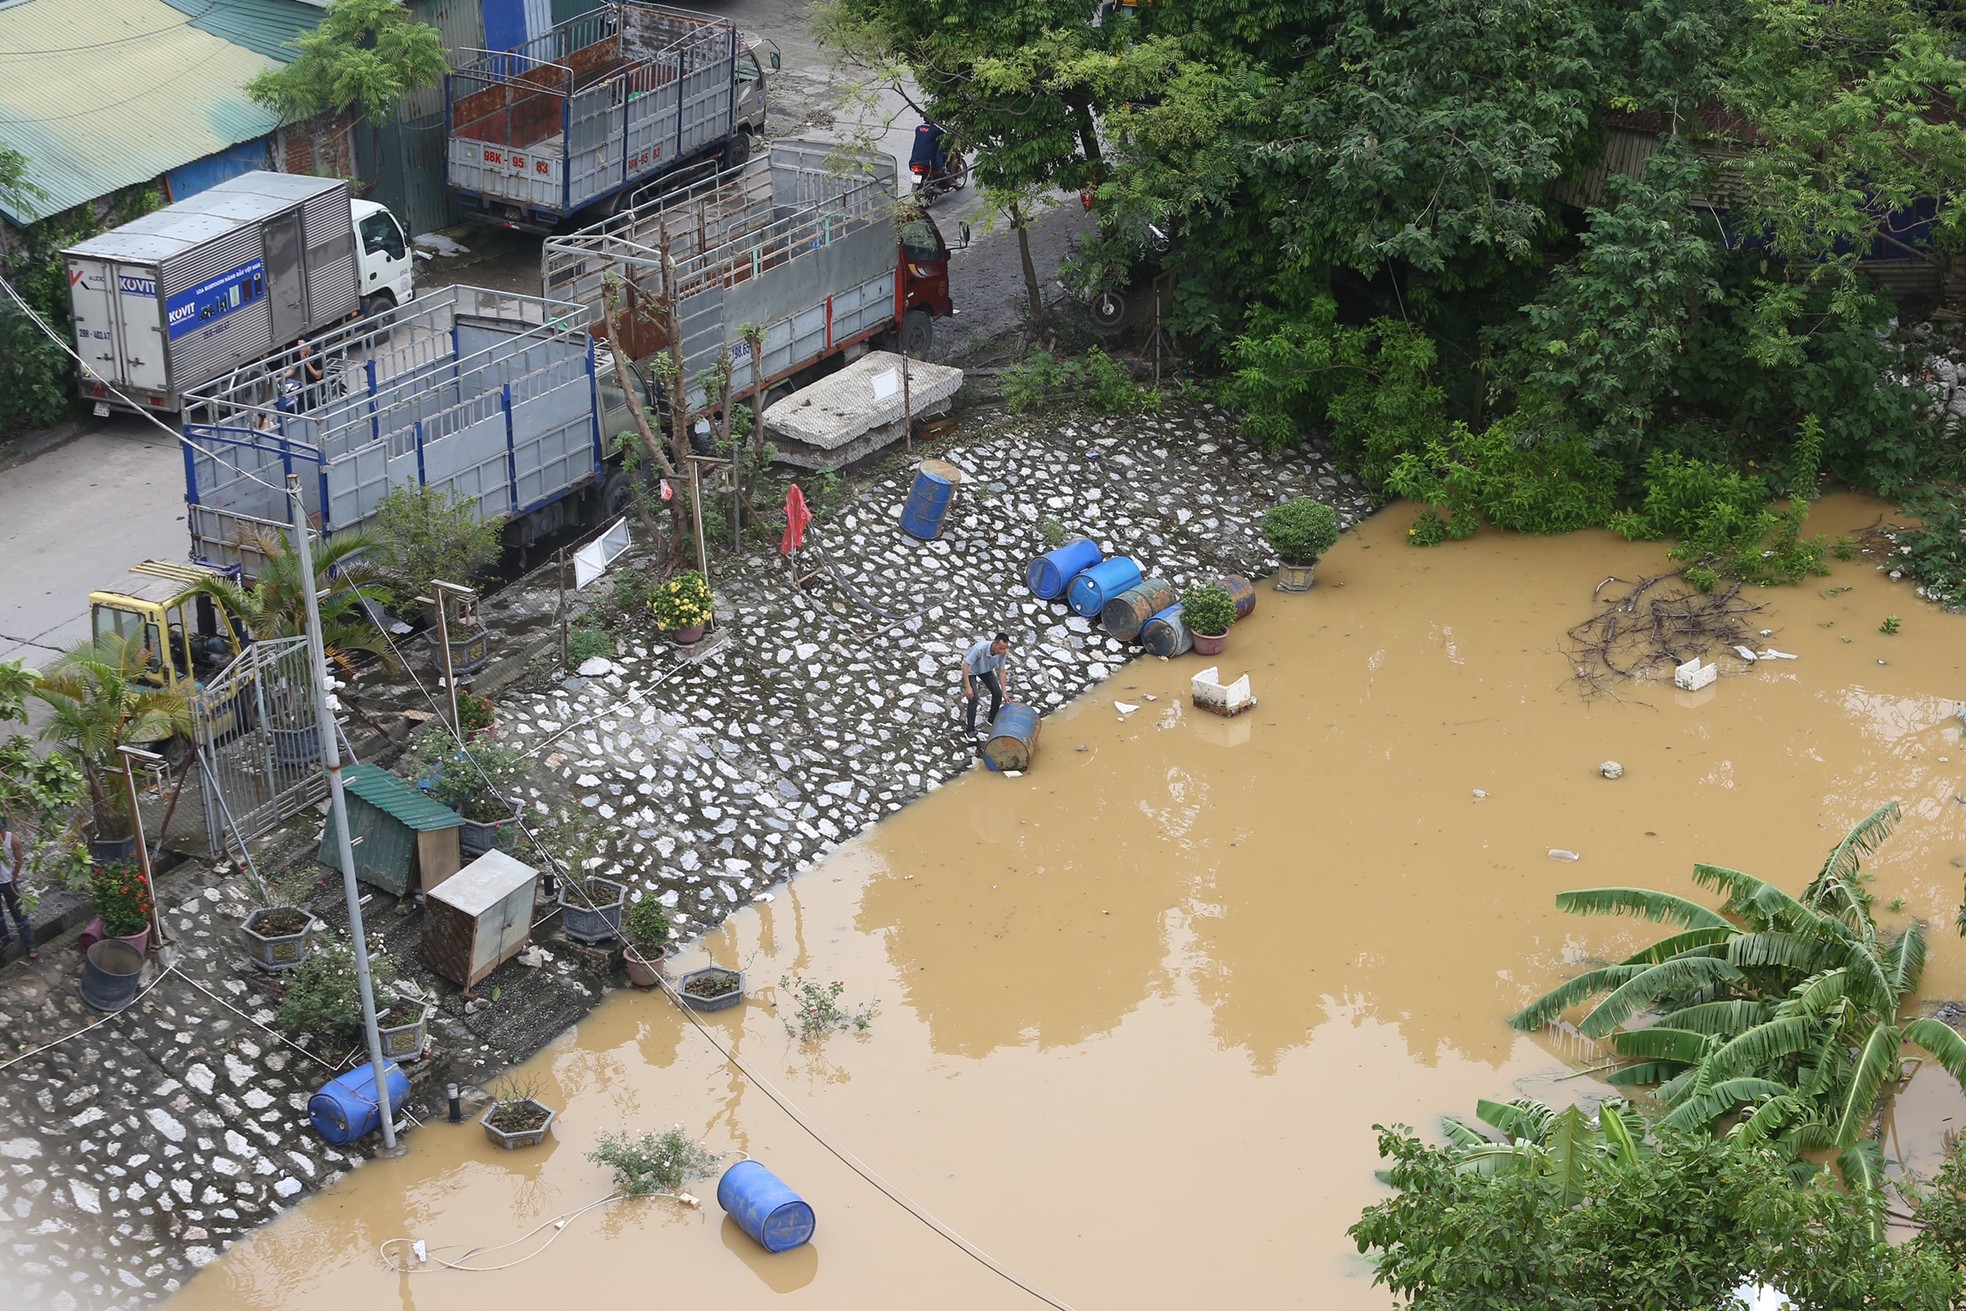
988 680
10 897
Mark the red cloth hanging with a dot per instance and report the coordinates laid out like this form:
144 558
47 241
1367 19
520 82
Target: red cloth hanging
797 517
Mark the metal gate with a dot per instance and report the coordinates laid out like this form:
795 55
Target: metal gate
258 741
405 161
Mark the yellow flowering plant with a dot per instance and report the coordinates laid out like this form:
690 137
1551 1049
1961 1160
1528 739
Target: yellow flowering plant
682 601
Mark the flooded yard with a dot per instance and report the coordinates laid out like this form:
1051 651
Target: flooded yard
1140 1007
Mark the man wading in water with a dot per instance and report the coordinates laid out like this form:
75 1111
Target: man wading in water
985 664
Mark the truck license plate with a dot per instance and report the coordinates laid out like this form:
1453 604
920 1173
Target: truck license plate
102 409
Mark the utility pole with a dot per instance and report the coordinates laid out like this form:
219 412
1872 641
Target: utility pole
132 757
317 658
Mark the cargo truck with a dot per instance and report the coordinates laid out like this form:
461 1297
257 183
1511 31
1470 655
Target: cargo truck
585 116
809 243
170 301
485 393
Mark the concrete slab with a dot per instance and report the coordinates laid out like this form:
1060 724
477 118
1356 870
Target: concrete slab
858 410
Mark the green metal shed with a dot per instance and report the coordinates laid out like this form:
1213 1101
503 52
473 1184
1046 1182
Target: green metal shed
402 837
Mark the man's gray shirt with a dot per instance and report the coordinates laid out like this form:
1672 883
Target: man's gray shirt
982 660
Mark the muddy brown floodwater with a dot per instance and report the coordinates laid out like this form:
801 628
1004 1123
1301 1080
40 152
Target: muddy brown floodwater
1140 1007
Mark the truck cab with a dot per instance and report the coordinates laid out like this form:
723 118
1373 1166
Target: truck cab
384 267
190 636
924 267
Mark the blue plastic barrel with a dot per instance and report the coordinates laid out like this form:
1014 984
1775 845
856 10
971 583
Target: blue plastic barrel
1241 591
777 1218
345 1109
1091 590
1166 635
1014 738
1051 573
935 486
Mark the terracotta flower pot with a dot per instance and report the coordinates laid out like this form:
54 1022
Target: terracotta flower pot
689 636
644 970
1209 643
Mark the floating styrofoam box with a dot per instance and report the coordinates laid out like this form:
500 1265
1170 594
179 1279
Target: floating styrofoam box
1217 697
1692 676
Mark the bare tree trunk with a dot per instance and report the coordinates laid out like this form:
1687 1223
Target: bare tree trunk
651 447
1032 291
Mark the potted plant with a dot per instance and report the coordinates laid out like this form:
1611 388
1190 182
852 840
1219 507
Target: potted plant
278 938
646 928
99 700
516 1117
681 606
402 1019
649 1163
475 780
424 534
1208 611
712 988
123 904
1299 531
591 904
324 1000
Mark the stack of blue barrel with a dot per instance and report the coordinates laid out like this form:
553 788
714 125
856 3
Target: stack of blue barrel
1127 604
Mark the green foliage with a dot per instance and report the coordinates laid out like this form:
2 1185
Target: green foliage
649 1163
816 1009
1554 484
1300 529
1783 1009
1662 1230
37 792
1372 386
1933 550
475 780
1095 377
365 55
646 925
1051 533
1730 537
99 701
323 997
275 603
422 534
586 640
1890 625
1208 610
475 714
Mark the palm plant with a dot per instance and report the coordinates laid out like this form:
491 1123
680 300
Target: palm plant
1775 1017
100 701
274 604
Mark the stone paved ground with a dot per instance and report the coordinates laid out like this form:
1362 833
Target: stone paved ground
135 1151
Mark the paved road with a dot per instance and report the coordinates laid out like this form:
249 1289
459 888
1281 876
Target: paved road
76 517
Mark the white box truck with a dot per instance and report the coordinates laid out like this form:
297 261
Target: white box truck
170 301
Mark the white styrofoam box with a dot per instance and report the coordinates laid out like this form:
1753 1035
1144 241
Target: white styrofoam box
1220 698
1692 676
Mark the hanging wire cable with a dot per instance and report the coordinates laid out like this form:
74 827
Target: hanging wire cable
93 46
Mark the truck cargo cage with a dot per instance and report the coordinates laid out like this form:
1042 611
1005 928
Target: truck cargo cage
595 105
487 393
799 242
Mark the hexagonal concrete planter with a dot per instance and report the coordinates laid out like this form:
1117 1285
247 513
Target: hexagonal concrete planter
278 951
712 988
529 1118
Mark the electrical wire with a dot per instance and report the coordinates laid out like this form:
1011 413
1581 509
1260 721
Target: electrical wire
853 1162
92 46
162 974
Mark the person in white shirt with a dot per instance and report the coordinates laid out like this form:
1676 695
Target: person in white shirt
985 665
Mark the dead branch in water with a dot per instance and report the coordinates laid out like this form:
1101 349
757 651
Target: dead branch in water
1651 626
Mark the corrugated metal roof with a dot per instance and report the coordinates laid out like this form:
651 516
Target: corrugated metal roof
267 27
400 800
102 94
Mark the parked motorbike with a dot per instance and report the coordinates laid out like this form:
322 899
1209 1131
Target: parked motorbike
930 182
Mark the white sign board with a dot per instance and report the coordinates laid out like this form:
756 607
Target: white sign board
593 559
886 384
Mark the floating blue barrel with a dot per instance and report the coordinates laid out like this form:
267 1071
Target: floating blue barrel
1051 573
111 971
346 1108
935 486
1091 590
1124 615
1241 591
1166 635
777 1218
1014 739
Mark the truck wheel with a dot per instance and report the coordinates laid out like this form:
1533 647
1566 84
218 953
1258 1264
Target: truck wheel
737 150
617 495
917 334
380 303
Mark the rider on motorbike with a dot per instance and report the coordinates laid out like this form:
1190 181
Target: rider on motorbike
930 157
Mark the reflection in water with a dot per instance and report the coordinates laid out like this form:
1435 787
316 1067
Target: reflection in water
1150 997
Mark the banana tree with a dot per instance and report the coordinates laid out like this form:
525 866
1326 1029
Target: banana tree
1775 1016
1568 1149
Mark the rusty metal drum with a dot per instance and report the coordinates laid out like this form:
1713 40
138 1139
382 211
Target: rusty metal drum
1166 635
1014 739
1124 615
1241 591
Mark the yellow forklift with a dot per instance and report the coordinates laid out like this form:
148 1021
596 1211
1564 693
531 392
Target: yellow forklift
190 636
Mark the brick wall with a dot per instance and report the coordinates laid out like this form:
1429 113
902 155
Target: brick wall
321 147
